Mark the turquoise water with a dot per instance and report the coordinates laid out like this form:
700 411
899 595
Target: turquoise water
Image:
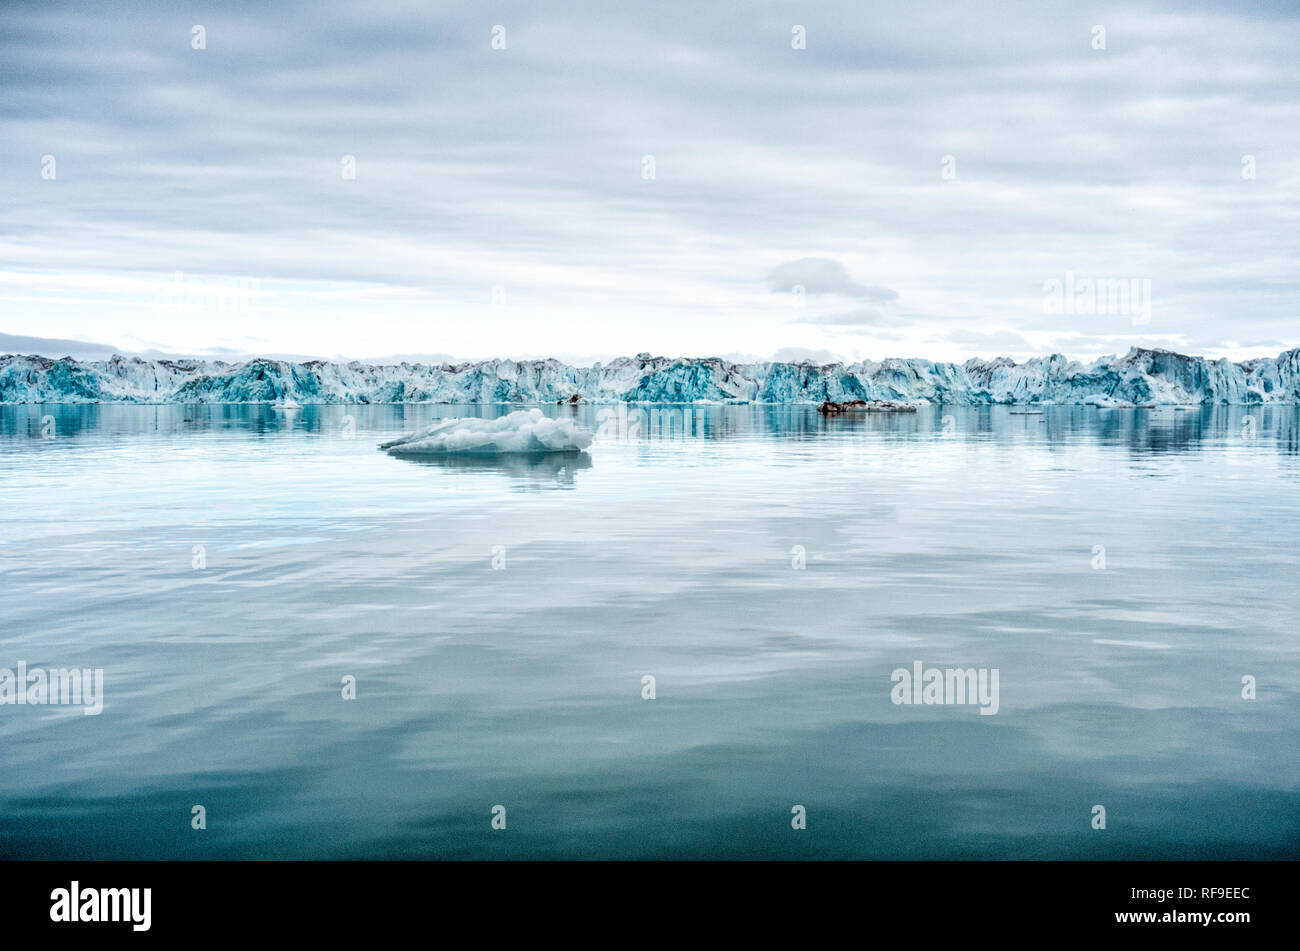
958 537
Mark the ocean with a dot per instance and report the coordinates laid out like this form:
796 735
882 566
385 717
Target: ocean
686 642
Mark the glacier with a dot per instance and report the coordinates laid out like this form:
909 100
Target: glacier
1139 378
525 431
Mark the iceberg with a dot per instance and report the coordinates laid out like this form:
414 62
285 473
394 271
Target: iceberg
524 431
1142 377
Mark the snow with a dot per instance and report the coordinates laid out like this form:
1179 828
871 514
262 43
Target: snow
525 431
1141 377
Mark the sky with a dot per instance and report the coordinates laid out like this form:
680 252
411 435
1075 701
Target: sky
586 180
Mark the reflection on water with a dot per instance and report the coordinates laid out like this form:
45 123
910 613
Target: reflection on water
228 566
538 469
1165 429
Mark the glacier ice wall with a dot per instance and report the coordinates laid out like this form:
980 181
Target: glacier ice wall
1140 377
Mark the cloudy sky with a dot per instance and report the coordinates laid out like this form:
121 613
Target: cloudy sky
939 179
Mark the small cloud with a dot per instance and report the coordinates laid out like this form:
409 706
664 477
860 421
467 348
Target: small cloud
824 276
863 317
1215 345
993 340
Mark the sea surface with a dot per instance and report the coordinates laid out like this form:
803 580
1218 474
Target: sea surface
229 567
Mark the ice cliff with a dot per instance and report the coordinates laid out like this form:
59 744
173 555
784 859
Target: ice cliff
1140 377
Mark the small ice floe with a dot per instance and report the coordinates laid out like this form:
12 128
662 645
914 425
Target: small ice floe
524 431
288 403
831 408
1101 401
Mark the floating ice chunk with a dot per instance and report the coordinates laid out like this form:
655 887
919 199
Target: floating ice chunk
1102 401
523 431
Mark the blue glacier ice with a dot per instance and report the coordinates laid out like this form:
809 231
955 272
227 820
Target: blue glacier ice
1140 377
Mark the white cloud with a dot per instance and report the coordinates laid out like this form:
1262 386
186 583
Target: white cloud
522 169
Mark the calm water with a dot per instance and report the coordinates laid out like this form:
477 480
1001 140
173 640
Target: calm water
965 543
